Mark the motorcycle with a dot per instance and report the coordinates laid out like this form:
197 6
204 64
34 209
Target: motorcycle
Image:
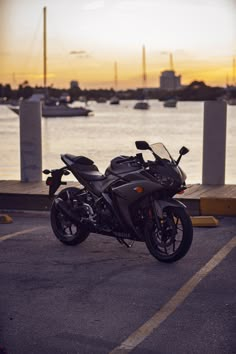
132 201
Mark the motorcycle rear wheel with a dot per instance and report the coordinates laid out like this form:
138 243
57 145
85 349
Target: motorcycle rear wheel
172 241
64 229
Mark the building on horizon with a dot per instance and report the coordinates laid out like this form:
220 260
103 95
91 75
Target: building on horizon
169 81
74 84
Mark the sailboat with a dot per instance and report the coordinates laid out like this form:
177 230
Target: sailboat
171 102
56 109
231 89
52 107
115 99
143 104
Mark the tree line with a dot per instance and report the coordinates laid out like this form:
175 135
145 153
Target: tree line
196 91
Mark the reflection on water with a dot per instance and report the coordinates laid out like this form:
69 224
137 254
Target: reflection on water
112 131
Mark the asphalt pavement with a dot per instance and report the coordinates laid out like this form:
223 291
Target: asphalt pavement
101 297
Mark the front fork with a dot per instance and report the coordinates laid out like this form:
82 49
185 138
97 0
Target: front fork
164 228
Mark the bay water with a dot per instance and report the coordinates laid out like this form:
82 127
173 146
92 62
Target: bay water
112 131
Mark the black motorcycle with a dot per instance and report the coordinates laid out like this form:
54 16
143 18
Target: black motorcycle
133 200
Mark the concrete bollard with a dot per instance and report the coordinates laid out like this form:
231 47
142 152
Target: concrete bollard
214 142
30 141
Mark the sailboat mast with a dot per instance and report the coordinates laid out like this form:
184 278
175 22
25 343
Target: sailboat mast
116 75
234 82
171 62
144 67
45 47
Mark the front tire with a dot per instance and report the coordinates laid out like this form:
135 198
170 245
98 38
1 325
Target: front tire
64 228
171 239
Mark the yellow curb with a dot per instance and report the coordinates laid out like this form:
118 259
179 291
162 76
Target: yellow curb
5 219
204 221
218 206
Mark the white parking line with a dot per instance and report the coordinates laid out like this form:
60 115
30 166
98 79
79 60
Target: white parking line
20 233
160 316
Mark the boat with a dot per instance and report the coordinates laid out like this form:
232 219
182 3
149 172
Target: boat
101 100
63 110
143 104
52 107
231 89
115 99
60 110
171 103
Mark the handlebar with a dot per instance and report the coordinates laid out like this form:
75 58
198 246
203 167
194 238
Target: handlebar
139 159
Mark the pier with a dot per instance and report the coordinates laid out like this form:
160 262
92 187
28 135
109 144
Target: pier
199 199
211 197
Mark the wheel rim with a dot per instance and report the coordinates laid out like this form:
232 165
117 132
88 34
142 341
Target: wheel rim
168 239
66 227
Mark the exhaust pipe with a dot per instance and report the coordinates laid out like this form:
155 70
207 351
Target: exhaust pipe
60 204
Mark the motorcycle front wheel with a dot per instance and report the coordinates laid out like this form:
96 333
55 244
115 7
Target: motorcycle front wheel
170 239
63 227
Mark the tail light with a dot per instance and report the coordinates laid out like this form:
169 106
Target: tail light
49 181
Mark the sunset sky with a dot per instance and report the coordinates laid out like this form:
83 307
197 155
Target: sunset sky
85 38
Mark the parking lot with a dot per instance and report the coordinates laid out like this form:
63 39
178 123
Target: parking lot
101 297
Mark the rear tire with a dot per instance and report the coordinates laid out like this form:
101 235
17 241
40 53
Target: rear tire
173 240
65 230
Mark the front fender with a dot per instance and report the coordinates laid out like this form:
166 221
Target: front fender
160 205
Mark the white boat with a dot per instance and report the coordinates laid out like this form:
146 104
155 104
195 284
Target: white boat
101 100
172 102
142 105
61 110
114 100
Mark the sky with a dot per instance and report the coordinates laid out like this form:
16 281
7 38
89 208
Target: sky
86 37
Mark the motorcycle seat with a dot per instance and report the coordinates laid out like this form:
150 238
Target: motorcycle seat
92 175
83 167
82 160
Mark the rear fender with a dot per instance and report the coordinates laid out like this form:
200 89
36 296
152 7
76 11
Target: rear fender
160 205
54 180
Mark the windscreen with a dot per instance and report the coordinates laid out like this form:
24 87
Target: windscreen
161 151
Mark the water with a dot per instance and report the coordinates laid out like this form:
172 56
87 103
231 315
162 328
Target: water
112 131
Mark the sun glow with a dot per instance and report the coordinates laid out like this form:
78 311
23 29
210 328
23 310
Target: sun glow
84 38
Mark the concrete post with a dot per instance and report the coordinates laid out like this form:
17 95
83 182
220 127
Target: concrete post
30 141
214 142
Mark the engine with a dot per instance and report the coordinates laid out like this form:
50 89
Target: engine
97 214
106 220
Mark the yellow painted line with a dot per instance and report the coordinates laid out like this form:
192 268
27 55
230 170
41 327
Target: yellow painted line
20 233
160 316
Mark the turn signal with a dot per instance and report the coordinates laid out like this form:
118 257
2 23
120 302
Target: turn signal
139 189
181 192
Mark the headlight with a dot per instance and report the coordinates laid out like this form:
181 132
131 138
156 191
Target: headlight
164 180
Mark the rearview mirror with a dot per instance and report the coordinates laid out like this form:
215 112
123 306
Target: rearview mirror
183 151
142 145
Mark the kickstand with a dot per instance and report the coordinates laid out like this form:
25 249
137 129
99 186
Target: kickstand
123 242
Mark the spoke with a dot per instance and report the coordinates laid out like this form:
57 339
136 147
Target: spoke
174 245
63 228
165 248
177 221
179 228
